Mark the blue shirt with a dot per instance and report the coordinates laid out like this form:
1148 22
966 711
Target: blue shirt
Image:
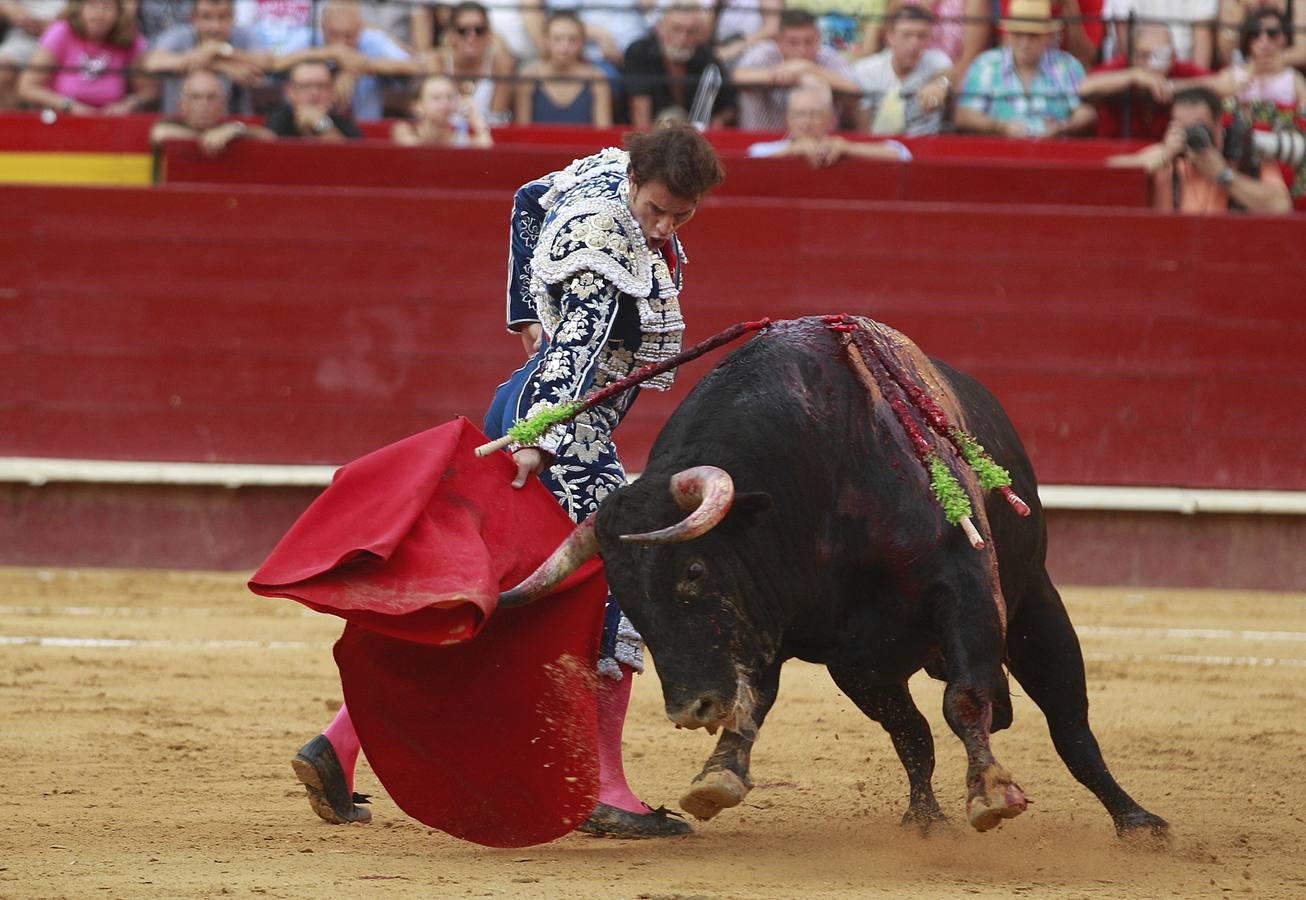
369 97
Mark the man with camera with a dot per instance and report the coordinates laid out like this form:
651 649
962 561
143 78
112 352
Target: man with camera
1202 168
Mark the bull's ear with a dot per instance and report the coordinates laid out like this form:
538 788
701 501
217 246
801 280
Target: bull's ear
748 509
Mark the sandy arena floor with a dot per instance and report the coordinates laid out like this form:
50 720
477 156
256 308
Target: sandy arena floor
156 764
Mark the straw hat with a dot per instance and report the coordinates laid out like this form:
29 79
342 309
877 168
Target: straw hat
1030 17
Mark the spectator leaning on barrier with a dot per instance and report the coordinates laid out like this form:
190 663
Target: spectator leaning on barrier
811 117
309 110
442 116
1027 88
362 57
1137 90
663 70
905 86
474 59
1192 25
211 41
560 87
1265 77
1194 172
731 27
25 21
201 117
765 72
1232 15
82 64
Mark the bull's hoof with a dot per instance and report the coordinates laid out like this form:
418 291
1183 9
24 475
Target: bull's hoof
1144 830
609 821
318 769
924 820
712 792
999 798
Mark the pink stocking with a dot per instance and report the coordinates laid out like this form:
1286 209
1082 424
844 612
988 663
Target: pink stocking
614 697
344 740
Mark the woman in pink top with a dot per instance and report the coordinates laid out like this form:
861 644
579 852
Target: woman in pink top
1266 76
1234 12
1266 79
80 66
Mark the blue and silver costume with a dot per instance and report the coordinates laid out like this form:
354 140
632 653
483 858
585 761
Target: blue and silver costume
579 265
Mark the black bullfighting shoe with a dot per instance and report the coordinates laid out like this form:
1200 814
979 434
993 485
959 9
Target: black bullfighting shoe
318 769
608 821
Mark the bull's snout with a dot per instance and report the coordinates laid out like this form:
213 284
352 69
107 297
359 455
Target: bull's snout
706 711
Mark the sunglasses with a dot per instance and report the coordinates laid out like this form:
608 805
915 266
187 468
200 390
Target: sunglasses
1272 33
469 30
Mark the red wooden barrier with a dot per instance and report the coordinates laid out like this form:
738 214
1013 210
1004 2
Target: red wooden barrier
130 134
369 164
293 325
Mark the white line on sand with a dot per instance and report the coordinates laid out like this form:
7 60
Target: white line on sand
156 612
115 643
1222 634
1187 659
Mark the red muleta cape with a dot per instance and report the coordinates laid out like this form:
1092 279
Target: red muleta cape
478 723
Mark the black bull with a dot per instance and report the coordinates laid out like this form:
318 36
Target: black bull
812 535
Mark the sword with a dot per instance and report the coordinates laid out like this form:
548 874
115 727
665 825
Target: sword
709 85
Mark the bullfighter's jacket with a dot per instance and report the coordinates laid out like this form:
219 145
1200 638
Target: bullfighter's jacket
579 265
607 303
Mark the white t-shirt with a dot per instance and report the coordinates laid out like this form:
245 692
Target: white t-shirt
878 81
1174 11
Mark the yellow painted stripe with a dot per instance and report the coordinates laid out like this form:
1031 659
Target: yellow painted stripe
75 168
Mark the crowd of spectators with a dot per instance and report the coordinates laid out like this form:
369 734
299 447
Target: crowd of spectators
449 72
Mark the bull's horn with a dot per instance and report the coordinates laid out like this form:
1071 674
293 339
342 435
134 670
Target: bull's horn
705 492
579 546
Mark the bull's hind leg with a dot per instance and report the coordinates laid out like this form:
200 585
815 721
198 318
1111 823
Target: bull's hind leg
971 634
724 781
1046 660
892 706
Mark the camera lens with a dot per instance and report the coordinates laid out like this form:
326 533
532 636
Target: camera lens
1198 137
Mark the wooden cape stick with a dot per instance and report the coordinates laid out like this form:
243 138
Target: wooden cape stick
568 411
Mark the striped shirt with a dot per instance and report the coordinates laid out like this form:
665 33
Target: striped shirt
763 108
993 87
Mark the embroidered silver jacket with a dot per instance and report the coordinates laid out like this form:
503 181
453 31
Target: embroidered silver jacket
590 259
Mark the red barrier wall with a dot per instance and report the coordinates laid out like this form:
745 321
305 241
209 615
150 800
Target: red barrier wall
504 168
191 527
130 134
297 325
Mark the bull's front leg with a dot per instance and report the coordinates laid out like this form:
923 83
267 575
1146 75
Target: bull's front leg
974 645
892 706
991 793
724 781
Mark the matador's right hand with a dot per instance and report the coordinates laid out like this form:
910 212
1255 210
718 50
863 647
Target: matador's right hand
529 460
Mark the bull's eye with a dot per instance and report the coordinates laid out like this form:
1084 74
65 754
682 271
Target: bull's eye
694 570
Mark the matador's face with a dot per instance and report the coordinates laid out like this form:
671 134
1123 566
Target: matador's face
659 212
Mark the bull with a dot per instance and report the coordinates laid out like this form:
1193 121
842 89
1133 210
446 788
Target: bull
782 515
